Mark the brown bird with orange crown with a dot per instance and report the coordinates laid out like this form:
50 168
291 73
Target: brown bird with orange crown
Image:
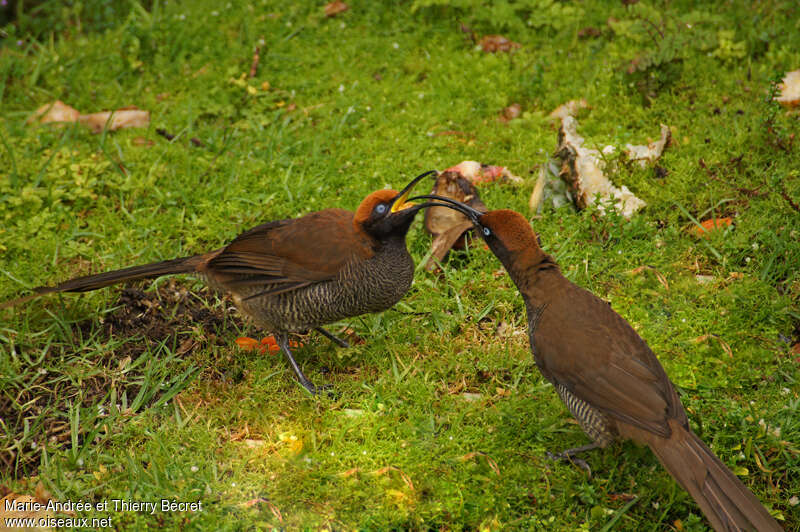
299 274
607 376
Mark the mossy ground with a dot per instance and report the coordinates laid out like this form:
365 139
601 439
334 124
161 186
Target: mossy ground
442 420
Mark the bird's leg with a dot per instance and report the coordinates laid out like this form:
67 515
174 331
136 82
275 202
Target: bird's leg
569 456
332 337
283 341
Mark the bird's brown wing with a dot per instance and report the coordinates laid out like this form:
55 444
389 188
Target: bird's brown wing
289 254
598 357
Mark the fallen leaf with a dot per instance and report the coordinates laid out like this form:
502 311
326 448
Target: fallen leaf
57 111
114 120
497 43
790 89
186 346
707 226
582 169
652 152
511 112
254 444
334 8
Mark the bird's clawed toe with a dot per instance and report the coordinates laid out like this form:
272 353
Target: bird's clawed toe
566 457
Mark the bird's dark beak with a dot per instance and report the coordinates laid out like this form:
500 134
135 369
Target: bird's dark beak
474 215
402 202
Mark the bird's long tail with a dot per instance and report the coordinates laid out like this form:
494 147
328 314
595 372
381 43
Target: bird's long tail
93 282
725 501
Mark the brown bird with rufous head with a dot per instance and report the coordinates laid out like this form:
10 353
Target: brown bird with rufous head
299 274
607 376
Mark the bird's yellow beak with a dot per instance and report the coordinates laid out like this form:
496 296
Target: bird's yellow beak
401 201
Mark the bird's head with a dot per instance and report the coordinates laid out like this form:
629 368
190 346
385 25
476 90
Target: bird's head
507 233
387 213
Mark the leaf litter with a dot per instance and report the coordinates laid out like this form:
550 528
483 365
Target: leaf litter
58 112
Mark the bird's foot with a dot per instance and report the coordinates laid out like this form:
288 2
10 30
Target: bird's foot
323 389
332 337
563 457
285 346
569 456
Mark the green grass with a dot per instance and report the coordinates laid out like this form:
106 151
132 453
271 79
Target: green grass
443 420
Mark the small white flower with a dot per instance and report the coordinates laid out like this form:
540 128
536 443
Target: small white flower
182 16
747 260
80 462
341 88
233 484
194 469
793 500
215 13
364 453
332 453
395 46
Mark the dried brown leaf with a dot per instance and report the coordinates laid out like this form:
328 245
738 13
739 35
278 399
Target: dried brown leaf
511 112
334 8
497 43
114 120
57 112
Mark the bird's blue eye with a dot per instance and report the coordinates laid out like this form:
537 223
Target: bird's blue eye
380 209
486 231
